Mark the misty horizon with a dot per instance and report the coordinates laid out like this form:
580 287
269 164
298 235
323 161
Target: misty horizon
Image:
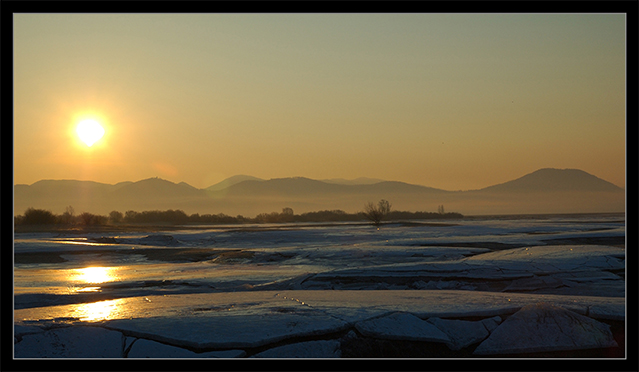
543 191
340 181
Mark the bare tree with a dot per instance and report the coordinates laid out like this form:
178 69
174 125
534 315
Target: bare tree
375 213
87 218
68 216
287 211
115 217
287 215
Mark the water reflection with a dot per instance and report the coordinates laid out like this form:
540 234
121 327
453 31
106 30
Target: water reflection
97 311
94 275
88 279
86 289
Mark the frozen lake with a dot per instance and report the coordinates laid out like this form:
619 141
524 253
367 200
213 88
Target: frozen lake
324 290
54 268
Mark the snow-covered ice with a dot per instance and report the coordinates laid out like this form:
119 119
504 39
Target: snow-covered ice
295 290
71 342
545 327
463 333
401 326
307 349
246 320
142 348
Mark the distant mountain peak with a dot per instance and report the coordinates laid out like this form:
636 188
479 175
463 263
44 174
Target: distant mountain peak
296 178
553 179
153 179
232 181
546 190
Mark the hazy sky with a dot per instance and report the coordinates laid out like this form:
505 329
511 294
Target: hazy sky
452 101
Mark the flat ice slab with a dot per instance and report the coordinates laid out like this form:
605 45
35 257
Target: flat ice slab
545 327
463 333
401 326
561 269
510 263
554 258
228 330
349 305
142 348
222 322
71 342
308 349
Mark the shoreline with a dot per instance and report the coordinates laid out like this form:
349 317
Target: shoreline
17 229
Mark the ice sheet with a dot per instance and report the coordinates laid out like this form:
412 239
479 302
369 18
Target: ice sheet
296 256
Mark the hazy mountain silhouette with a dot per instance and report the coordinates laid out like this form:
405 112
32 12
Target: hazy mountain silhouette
122 184
57 189
157 188
232 181
155 194
186 186
294 186
549 179
356 181
542 191
68 186
401 187
56 195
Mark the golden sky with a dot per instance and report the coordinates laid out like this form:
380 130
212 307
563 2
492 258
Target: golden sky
452 101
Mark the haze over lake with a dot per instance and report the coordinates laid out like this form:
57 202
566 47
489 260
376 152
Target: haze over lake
544 191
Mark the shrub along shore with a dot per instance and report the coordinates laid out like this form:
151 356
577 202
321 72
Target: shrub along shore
48 220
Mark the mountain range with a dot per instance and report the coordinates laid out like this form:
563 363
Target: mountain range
543 191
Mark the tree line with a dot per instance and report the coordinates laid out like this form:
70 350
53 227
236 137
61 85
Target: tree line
34 216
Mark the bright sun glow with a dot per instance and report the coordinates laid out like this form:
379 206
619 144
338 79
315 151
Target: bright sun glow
89 131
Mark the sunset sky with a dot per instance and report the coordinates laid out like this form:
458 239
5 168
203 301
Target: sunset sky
452 101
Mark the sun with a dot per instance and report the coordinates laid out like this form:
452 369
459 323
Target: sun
89 131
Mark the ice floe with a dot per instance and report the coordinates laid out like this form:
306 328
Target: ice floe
520 269
463 333
555 258
318 291
545 327
307 349
71 342
231 329
141 348
230 325
401 326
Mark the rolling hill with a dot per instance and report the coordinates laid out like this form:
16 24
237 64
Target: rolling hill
356 181
231 181
542 191
157 188
549 179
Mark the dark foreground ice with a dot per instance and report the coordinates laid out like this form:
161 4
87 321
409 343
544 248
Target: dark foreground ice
459 289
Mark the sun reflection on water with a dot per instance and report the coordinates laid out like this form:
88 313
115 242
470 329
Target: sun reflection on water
97 311
96 275
86 289
88 279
